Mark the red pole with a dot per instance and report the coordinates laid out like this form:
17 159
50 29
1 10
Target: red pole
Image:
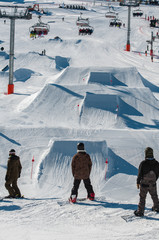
10 88
106 167
32 167
128 47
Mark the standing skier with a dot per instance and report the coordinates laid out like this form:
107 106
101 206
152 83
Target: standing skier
13 173
81 169
147 176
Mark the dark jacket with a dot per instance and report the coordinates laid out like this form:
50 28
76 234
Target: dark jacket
13 168
146 166
81 165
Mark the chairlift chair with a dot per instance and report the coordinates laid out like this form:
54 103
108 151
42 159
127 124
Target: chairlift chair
82 21
111 14
39 29
85 30
115 22
137 13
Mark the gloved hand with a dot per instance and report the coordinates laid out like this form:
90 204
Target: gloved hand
138 186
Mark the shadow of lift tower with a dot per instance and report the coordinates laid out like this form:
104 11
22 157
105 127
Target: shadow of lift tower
12 15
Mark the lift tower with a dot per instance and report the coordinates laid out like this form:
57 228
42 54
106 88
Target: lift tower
129 4
12 12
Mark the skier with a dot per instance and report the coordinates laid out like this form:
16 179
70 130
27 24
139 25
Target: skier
81 169
146 181
13 173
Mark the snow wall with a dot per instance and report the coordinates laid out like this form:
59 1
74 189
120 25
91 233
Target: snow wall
54 170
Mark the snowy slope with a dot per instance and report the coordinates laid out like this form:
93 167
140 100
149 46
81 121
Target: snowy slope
86 88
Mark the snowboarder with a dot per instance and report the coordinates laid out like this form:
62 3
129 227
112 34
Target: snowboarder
146 181
13 173
81 169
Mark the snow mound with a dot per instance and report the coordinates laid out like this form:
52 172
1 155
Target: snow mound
55 165
47 106
121 110
106 76
100 110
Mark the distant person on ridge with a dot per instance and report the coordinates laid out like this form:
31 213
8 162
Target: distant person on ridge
147 176
13 173
81 169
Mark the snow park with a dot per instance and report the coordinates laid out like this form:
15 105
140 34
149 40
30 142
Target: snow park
78 71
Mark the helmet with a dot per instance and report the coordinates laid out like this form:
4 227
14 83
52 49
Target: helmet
12 152
149 152
80 146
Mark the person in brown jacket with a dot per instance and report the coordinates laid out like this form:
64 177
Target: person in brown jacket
81 169
146 181
13 173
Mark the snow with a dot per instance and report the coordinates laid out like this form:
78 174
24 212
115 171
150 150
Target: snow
86 88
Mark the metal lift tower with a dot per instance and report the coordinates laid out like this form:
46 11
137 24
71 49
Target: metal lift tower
12 12
129 4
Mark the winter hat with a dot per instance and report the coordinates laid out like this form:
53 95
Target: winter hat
149 152
12 151
80 146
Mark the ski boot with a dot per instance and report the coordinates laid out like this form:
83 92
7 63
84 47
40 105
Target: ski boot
138 213
155 209
91 196
73 199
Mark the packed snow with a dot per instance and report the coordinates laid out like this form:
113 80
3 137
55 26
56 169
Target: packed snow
86 88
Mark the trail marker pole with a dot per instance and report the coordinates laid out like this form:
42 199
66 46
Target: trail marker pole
106 167
151 43
32 166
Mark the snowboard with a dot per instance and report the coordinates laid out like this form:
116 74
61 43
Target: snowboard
7 198
148 215
64 202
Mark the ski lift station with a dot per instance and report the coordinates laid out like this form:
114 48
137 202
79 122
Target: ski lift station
39 29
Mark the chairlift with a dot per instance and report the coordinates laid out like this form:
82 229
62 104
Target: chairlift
154 23
111 14
115 23
137 13
85 30
39 29
82 21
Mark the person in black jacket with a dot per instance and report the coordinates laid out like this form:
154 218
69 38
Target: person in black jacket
148 174
13 173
